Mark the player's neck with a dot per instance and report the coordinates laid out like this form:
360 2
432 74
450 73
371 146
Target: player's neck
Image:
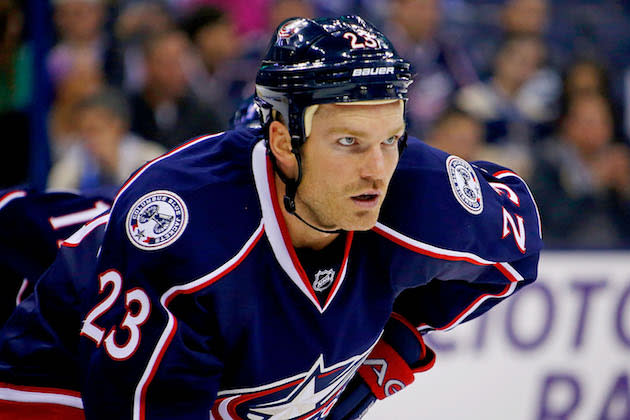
302 236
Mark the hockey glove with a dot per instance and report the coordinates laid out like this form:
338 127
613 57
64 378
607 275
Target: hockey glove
389 368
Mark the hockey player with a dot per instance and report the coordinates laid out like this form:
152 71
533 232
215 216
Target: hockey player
32 227
250 274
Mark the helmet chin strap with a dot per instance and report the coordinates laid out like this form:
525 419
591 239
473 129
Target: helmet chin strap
291 186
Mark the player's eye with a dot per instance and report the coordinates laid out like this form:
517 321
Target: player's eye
347 141
391 141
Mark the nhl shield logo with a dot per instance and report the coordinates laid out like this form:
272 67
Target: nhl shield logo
323 280
465 184
156 220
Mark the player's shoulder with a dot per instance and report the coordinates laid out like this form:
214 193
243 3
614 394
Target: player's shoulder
21 198
199 161
447 202
202 165
195 205
55 211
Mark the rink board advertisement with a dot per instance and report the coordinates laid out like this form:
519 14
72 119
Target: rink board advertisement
559 349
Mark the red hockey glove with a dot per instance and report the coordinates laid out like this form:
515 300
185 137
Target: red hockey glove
389 368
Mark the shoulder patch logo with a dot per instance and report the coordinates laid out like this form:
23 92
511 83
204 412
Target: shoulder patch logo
465 184
156 220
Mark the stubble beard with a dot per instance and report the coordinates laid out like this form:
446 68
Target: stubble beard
325 214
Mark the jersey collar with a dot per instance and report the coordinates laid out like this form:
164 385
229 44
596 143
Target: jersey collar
278 235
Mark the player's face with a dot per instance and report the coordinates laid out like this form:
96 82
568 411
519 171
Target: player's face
348 161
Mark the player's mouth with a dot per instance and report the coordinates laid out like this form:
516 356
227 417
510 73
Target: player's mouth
366 200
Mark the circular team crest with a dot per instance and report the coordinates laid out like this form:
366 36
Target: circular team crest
465 184
156 220
291 27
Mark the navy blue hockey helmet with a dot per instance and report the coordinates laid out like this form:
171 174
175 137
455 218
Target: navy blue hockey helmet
326 60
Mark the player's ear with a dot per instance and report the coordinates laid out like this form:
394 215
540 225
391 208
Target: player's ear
280 145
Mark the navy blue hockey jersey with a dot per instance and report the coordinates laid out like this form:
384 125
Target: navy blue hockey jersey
188 301
32 227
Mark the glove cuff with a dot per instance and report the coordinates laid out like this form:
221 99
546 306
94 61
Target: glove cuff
385 372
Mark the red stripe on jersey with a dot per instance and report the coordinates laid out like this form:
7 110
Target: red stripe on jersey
445 256
506 273
426 252
42 390
291 250
469 307
244 398
38 411
234 402
502 267
285 233
31 402
159 158
158 360
213 279
503 172
10 196
187 289
346 253
465 313
76 238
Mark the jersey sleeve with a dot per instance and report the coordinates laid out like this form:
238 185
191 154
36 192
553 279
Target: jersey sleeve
442 304
39 373
32 226
469 260
101 338
145 354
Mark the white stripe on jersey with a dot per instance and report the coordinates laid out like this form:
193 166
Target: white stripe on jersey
7 198
17 395
156 160
165 338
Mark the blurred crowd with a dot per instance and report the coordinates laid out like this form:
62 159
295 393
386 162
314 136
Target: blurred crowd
542 87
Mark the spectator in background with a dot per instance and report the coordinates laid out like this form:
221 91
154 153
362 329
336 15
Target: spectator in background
137 21
107 153
282 10
511 104
249 16
222 73
525 16
441 64
16 59
581 179
16 93
585 75
81 26
79 22
589 75
165 110
520 17
75 78
458 133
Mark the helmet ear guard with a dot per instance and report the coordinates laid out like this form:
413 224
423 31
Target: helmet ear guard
268 114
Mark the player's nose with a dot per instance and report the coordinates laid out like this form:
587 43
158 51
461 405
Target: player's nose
373 163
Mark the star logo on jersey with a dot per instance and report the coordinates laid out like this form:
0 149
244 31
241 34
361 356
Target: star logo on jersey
323 280
310 395
156 220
